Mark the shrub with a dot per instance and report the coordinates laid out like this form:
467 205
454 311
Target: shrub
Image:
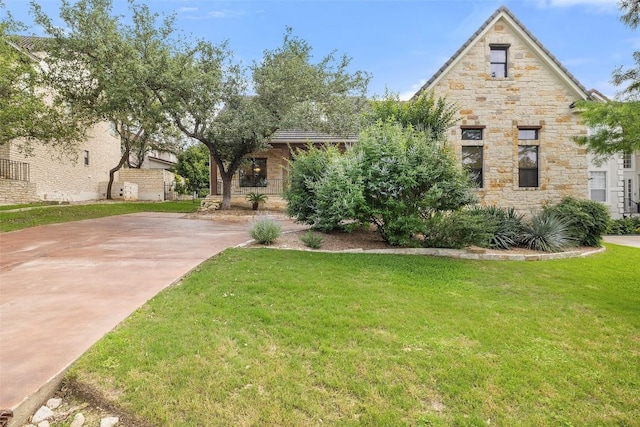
546 232
265 231
408 176
587 220
305 169
508 226
459 229
312 240
624 226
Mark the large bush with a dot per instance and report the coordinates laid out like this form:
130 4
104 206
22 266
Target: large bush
624 226
305 169
587 220
407 177
459 229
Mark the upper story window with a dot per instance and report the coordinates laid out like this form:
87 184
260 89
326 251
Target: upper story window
526 134
598 186
498 59
472 134
626 160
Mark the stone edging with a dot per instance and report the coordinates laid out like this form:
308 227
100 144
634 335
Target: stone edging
473 254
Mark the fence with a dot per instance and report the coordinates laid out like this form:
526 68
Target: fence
17 171
270 186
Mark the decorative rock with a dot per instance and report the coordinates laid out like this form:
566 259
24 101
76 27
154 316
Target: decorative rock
109 421
44 424
78 420
54 403
42 414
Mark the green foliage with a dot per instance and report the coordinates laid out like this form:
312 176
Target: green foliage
546 232
24 110
624 226
265 231
587 220
424 112
254 197
407 176
234 111
193 166
305 169
312 240
505 224
458 229
615 126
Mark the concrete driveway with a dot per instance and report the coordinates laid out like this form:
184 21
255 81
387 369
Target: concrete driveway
633 241
63 286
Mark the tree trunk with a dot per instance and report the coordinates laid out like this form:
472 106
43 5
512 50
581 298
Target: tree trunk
113 171
226 191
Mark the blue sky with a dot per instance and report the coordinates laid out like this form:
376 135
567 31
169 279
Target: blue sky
401 43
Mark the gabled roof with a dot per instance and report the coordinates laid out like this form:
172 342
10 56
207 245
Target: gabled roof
526 36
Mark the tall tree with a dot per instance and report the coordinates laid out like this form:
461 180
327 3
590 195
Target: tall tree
193 166
102 65
616 124
211 98
27 110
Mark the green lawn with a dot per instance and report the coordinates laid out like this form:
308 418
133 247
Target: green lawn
268 337
52 214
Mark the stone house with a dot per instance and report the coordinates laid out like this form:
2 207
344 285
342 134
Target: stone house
517 116
50 176
266 171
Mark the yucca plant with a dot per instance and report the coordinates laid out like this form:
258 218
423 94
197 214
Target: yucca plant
505 224
546 232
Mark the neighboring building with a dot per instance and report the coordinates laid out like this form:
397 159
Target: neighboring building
517 116
51 176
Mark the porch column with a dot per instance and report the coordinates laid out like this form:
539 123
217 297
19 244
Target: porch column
213 176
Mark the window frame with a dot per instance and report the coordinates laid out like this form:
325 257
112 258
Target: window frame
476 173
627 160
85 157
257 178
593 180
523 176
504 66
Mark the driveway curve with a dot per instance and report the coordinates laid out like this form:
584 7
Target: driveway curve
63 286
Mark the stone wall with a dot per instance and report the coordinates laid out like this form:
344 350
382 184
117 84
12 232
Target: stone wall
17 192
151 182
532 95
67 177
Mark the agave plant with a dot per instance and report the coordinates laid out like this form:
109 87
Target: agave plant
546 232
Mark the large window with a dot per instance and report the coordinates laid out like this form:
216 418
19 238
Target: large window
498 58
598 186
254 173
528 166
626 160
472 161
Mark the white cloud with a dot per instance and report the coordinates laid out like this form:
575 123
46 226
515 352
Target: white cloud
567 3
226 13
407 94
187 9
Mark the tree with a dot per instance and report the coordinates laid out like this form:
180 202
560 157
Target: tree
27 110
211 99
193 166
423 112
102 66
616 124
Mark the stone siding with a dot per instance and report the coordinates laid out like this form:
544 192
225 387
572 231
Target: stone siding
151 182
532 95
66 177
17 192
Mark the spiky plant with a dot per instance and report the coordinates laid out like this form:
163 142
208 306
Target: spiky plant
546 232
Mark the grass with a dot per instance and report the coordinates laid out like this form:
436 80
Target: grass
53 214
264 337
